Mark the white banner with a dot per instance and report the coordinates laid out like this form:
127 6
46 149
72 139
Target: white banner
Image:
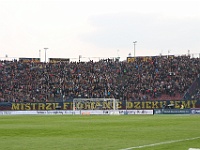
137 112
78 112
42 112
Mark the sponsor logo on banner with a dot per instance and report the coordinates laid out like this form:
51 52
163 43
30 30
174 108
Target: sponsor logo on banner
172 111
136 112
195 111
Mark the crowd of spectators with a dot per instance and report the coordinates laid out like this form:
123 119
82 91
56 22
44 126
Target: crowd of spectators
196 96
194 91
155 78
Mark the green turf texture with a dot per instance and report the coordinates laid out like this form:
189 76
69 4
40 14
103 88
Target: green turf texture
67 132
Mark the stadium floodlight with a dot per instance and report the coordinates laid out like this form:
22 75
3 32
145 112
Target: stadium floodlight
45 53
40 54
134 47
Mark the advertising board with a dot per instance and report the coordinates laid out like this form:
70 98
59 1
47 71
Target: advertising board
77 112
172 111
195 111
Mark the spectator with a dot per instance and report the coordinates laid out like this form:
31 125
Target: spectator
158 78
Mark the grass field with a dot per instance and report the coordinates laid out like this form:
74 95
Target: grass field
65 132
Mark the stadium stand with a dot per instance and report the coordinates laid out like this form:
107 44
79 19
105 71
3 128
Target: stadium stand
160 78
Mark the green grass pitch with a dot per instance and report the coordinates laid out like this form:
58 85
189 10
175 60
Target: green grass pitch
66 132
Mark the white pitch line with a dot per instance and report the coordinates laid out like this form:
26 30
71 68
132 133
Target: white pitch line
161 143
